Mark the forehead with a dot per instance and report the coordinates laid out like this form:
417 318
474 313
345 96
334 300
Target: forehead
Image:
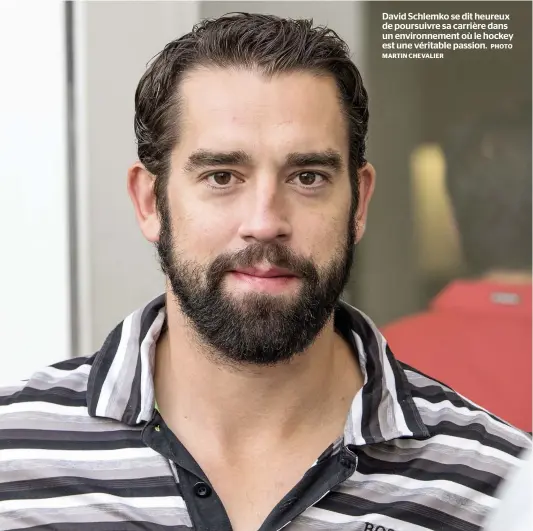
243 109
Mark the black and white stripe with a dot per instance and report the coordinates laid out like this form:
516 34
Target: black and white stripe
72 455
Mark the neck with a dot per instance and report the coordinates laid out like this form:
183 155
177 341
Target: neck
197 394
508 277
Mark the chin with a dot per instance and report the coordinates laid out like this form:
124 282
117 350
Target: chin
260 297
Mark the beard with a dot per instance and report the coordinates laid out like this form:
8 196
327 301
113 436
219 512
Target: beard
258 328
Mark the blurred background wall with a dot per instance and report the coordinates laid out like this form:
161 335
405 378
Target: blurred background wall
412 106
74 262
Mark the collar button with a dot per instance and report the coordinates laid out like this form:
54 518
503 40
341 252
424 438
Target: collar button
345 462
202 490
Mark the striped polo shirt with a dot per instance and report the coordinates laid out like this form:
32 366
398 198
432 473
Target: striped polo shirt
82 447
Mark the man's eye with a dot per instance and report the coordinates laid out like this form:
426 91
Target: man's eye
310 178
220 178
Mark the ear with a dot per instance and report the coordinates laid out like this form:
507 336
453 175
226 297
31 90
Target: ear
141 191
367 179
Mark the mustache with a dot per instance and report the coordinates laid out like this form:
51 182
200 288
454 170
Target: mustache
275 254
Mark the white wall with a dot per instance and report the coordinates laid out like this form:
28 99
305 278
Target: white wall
118 270
34 267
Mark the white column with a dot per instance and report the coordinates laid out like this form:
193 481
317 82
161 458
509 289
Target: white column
34 266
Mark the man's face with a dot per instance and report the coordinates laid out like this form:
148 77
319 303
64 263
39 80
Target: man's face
257 225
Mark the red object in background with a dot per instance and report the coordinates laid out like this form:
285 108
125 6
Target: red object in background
476 339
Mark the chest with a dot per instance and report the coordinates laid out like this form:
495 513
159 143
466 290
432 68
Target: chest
392 497
382 488
336 497
250 494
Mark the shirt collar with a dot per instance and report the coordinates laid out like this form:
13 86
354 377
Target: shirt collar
121 386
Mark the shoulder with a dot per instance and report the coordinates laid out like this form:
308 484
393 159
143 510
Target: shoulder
439 403
476 447
47 416
62 384
53 450
49 411
460 464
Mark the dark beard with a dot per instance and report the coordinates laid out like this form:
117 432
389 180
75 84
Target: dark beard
257 329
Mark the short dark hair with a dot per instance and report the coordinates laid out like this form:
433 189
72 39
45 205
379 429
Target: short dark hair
489 183
267 43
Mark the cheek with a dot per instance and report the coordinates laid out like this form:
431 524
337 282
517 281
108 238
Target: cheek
325 236
199 231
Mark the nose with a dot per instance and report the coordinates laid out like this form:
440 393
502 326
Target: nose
265 218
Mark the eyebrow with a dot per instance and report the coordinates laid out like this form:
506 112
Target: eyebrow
327 159
208 159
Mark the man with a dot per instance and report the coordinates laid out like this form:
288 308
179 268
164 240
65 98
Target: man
248 396
476 336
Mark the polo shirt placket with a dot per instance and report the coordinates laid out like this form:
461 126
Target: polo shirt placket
205 508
